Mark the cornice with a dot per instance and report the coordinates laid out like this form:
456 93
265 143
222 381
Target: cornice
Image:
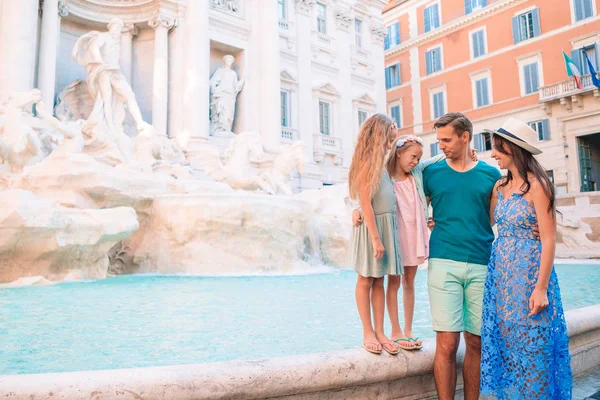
130 11
453 25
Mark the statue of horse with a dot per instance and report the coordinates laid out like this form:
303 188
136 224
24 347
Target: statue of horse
237 171
279 175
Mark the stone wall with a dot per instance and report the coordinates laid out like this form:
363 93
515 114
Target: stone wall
349 374
578 233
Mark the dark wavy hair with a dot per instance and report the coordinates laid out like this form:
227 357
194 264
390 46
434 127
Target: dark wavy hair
525 163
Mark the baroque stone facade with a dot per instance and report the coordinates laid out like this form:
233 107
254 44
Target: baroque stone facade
313 69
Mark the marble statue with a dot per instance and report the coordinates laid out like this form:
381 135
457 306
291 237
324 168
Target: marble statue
99 53
72 140
224 88
152 149
279 175
20 145
237 171
228 5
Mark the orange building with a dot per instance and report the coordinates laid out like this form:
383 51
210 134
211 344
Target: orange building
495 59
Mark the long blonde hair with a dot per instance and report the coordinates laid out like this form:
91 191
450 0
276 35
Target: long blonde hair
409 141
369 154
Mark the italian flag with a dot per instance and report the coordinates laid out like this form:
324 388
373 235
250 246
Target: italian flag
572 70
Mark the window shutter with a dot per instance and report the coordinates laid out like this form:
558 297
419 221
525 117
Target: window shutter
535 83
427 19
436 16
399 77
576 57
438 59
535 16
396 115
477 142
468 7
516 29
397 29
387 78
546 129
486 91
387 38
428 66
587 8
578 9
483 3
432 149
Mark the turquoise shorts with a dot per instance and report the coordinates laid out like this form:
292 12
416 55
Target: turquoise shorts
456 295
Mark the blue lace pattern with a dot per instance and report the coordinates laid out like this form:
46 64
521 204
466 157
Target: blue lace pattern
522 357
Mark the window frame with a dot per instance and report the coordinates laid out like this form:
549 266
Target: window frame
287 94
432 94
329 117
530 59
321 22
282 8
545 134
483 30
574 19
432 20
358 27
399 119
441 58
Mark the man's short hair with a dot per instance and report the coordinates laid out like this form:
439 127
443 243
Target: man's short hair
458 121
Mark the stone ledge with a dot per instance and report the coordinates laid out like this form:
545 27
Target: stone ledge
336 375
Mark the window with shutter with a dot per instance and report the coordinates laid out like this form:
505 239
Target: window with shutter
395 111
433 60
526 26
362 117
282 9
472 5
482 92
431 17
478 43
438 104
530 75
324 118
388 36
321 18
542 128
285 110
583 9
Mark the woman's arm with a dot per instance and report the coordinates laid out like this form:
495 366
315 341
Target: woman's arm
369 219
547 226
493 201
430 161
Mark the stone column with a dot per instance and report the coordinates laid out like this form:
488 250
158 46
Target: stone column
18 37
52 14
267 48
126 56
175 80
196 71
160 81
307 106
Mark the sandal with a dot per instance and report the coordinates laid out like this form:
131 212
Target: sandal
371 350
401 342
389 350
414 340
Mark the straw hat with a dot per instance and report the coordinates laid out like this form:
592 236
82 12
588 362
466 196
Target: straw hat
519 133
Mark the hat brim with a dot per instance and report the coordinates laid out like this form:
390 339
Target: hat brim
524 145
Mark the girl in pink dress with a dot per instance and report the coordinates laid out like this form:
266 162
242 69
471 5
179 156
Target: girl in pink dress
406 170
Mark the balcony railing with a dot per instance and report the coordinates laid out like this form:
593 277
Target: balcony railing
289 135
322 39
360 52
327 144
566 88
284 25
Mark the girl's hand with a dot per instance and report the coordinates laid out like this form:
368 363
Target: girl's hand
378 248
356 218
430 223
538 301
474 155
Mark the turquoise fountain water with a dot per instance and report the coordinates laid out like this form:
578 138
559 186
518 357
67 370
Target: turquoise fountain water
139 321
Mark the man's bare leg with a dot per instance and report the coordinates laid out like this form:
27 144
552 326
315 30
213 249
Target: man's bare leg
472 366
104 85
444 364
122 88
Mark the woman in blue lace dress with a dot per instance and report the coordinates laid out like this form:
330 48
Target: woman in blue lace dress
525 347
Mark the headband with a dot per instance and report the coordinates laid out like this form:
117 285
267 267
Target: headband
411 138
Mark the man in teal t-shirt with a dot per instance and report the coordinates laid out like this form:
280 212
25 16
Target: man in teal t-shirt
459 190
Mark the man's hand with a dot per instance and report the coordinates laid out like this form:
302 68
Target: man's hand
356 218
474 155
536 231
430 223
